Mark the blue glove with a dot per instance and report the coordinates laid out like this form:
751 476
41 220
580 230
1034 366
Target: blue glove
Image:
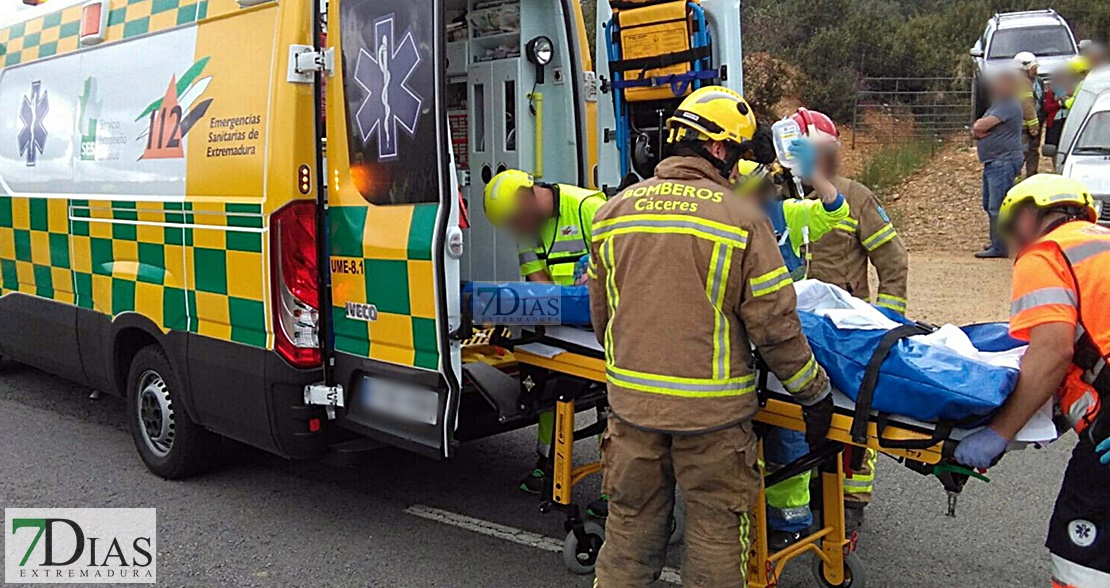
1103 449
806 155
580 269
981 449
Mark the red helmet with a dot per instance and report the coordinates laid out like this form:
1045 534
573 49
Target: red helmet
817 126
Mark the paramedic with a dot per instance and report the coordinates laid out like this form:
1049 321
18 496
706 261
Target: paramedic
841 258
1061 280
683 280
1031 94
553 224
795 221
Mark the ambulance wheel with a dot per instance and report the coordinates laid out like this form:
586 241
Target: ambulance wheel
169 443
580 558
854 576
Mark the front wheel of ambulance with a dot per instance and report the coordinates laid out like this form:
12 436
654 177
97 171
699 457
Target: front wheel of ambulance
169 443
854 576
581 556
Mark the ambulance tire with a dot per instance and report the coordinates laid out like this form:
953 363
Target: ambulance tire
581 558
854 576
169 443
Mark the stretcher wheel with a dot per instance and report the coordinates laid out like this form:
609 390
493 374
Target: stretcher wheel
580 557
854 576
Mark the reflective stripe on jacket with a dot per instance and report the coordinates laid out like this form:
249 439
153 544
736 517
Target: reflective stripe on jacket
841 257
684 279
564 238
1065 277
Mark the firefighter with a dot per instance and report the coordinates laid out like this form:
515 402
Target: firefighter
553 224
841 258
1059 283
684 279
1031 94
795 222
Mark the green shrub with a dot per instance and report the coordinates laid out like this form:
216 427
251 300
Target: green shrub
893 164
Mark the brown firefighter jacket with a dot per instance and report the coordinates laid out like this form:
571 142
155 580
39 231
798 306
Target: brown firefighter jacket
840 257
684 277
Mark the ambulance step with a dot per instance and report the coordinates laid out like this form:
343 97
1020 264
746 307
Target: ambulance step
499 389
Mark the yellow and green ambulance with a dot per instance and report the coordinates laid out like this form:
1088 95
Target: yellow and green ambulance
245 216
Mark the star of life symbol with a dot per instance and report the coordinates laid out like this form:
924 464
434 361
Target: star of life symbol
384 74
32 138
1082 533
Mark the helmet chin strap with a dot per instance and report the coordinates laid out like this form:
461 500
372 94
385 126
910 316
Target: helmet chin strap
724 166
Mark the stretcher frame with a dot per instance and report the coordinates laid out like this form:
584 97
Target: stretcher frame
830 543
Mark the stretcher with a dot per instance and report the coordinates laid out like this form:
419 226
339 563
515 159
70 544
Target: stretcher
924 447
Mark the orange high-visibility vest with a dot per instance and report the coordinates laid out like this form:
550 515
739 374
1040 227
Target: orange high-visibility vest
1065 277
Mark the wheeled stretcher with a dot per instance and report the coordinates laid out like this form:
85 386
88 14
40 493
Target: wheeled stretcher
924 447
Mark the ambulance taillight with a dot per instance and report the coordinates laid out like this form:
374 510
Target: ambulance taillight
296 293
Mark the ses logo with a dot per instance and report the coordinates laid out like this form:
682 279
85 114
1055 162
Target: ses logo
523 303
80 546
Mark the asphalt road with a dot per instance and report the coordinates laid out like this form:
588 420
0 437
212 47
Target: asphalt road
258 520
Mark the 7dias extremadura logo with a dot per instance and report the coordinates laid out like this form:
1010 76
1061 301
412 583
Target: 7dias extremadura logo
80 545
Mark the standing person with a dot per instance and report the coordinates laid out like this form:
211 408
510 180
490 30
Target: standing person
1079 66
553 224
684 280
1000 151
1059 87
866 237
1060 280
1031 94
795 221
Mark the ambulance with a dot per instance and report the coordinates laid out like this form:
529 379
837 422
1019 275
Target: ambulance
248 218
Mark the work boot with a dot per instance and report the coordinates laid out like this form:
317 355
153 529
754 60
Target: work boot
992 253
533 483
599 509
853 517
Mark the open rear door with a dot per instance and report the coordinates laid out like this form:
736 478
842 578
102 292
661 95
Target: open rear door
391 205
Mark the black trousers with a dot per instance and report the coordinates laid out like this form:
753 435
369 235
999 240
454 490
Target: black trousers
1079 530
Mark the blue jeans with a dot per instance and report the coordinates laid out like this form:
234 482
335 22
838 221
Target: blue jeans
998 178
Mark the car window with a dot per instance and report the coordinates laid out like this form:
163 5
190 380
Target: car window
1044 41
1095 138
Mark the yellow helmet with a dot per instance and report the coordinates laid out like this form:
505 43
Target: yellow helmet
751 175
501 195
1079 65
712 113
1046 191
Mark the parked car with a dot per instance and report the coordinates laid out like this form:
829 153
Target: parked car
1087 157
1042 32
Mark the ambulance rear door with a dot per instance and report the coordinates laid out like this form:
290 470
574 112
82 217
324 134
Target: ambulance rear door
392 207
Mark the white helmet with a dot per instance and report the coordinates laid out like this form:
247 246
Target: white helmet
1026 60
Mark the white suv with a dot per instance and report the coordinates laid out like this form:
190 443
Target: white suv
1042 32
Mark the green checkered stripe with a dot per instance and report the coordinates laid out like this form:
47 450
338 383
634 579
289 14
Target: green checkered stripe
58 32
183 268
397 281
34 248
227 265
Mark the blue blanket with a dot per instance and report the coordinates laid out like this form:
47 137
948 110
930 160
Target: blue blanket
920 381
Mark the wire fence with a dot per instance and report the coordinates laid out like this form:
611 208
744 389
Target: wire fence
901 110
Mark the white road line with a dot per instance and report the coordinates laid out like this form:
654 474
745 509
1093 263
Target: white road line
505 533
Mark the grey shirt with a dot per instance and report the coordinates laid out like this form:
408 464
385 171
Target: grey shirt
1004 140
